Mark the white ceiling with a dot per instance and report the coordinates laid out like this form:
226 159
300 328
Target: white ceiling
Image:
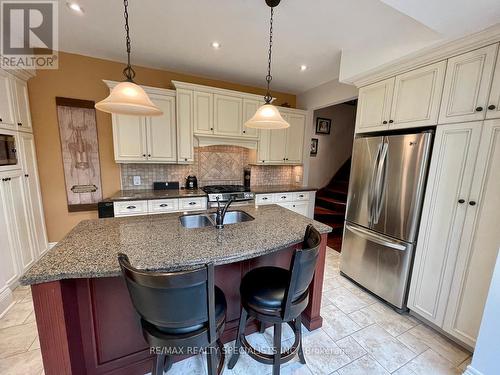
176 35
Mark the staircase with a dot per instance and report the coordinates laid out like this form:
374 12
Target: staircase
331 203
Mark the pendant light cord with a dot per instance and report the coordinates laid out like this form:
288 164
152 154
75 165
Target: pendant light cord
128 72
269 77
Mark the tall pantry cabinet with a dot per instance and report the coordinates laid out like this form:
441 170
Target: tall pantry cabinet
23 236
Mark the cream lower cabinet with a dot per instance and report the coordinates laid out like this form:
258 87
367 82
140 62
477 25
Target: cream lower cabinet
300 202
159 206
459 238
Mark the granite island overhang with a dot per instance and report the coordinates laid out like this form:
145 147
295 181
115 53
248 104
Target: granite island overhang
85 320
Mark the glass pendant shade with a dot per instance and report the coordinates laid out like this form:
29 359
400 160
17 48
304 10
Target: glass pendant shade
267 117
127 98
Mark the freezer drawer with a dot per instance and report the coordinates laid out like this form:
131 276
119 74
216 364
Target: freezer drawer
379 263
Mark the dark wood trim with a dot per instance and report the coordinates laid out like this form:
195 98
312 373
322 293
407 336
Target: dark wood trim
311 317
70 102
82 207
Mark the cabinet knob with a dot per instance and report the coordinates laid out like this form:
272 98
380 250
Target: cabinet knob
185 159
391 121
211 128
143 155
491 107
149 155
130 207
244 131
287 159
384 122
26 175
479 109
264 199
19 124
192 203
461 201
163 205
472 203
14 150
1 120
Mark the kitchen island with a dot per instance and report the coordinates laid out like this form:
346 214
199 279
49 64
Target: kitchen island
85 320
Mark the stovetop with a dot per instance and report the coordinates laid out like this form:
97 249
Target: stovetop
217 189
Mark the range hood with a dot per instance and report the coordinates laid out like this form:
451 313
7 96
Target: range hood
224 140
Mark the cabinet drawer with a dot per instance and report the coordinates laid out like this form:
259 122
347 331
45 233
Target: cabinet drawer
193 203
283 197
301 196
130 208
261 199
159 206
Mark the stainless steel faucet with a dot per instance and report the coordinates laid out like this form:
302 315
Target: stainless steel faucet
221 212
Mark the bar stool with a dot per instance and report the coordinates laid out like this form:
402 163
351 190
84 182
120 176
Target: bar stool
276 295
181 313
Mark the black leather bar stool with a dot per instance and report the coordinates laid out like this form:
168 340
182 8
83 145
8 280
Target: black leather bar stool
276 295
181 313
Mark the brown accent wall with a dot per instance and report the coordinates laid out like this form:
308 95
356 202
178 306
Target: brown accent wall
80 77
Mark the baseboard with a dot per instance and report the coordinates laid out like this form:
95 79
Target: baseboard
6 301
471 371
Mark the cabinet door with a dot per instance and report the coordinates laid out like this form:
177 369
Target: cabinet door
22 104
22 229
263 146
443 215
161 132
479 243
467 85
301 208
295 138
493 110
32 188
8 260
374 106
249 109
129 138
184 102
277 144
7 116
203 112
227 115
417 97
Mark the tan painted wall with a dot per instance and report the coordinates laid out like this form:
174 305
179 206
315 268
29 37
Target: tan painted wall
80 77
335 148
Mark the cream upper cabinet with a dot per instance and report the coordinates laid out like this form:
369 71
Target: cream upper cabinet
467 85
185 146
22 104
249 109
443 215
203 112
374 106
417 97
479 243
295 138
277 145
7 113
493 109
129 138
161 132
228 117
263 148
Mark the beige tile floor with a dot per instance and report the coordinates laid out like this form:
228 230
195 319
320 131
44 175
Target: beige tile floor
360 335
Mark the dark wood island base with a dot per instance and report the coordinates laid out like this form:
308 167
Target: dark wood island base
89 326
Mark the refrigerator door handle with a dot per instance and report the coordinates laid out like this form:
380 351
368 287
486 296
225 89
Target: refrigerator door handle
371 189
379 181
374 237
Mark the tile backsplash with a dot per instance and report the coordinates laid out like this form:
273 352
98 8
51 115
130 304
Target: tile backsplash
212 165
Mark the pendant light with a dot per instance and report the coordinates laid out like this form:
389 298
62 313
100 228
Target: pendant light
128 98
268 116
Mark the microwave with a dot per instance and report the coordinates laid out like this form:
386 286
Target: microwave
8 152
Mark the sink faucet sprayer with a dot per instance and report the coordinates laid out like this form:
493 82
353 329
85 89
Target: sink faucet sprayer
221 212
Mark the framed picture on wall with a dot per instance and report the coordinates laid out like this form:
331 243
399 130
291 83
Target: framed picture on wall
323 125
314 146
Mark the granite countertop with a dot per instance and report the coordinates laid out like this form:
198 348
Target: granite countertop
147 194
160 242
261 189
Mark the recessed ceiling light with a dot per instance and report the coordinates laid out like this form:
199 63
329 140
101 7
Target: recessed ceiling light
215 45
303 67
75 7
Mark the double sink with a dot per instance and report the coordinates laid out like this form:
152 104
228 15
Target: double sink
208 219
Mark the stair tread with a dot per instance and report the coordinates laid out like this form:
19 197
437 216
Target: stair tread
331 200
326 211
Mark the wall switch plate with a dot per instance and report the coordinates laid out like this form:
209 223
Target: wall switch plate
137 180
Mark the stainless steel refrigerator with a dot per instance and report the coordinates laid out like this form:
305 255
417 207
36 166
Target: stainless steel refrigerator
386 188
